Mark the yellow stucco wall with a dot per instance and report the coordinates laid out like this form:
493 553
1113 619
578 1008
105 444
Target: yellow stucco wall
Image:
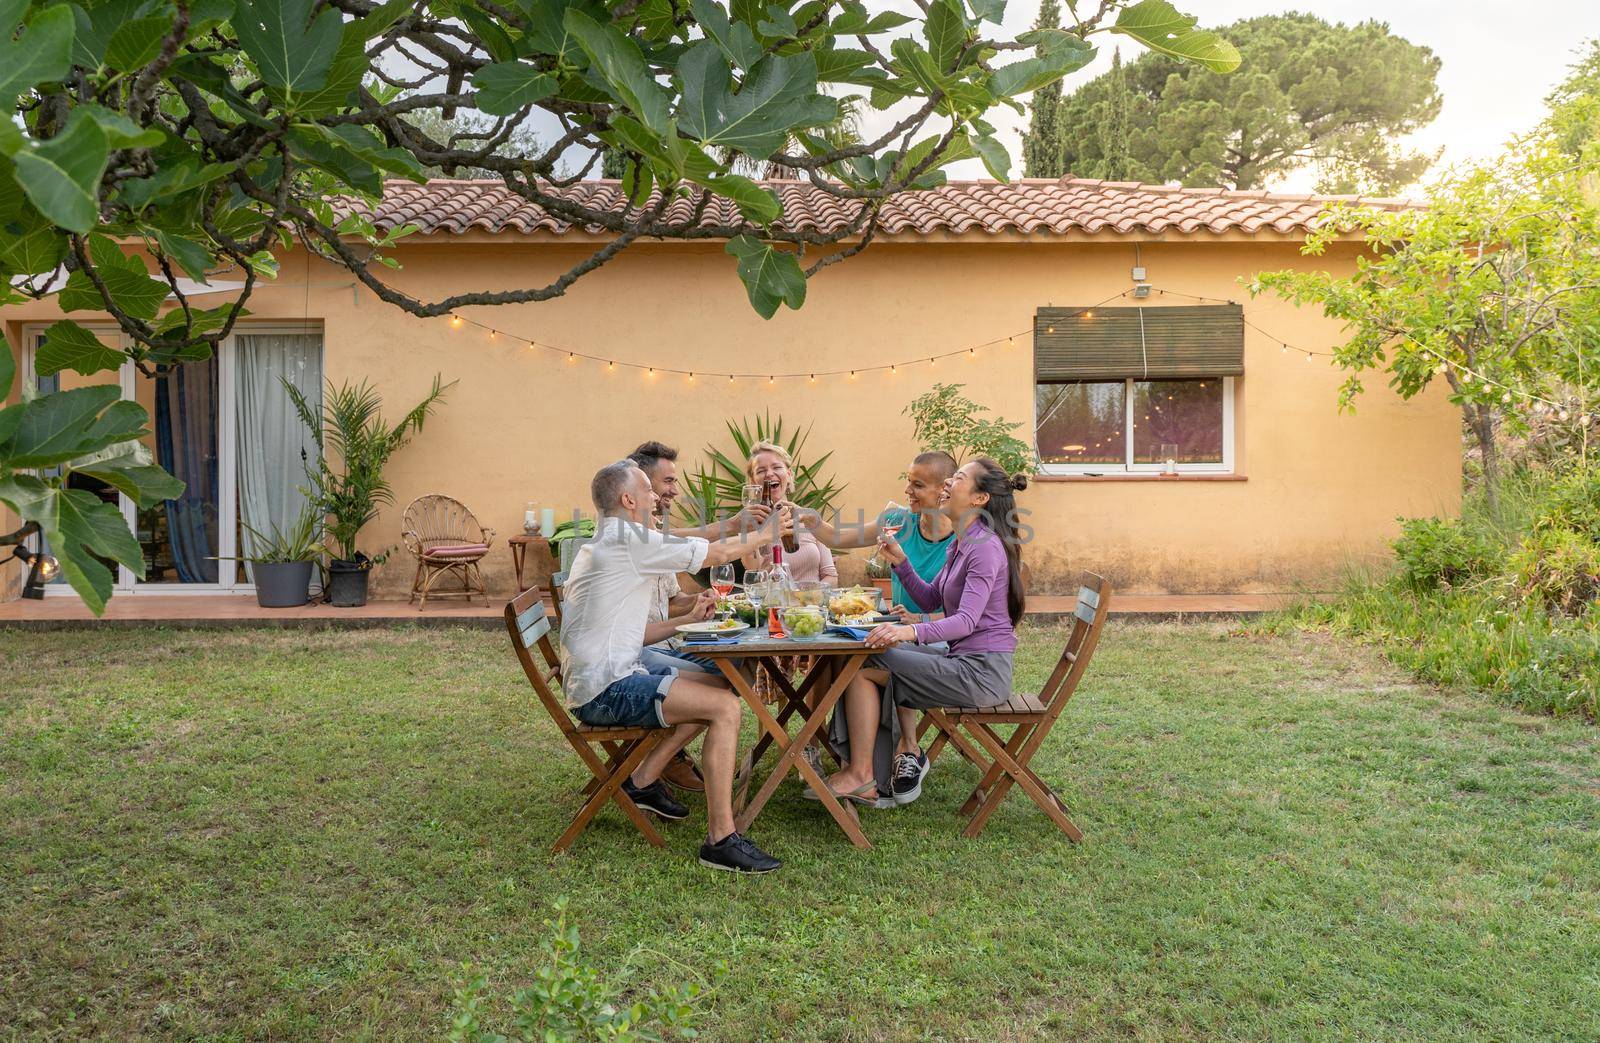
1320 488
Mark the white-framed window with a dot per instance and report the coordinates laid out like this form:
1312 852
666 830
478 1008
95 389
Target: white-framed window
1134 426
1147 389
225 427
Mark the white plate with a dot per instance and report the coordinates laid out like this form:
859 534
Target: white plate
711 626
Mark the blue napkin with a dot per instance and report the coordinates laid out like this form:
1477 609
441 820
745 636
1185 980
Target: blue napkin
855 633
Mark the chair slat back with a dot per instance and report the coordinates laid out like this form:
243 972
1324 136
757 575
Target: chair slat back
1088 620
558 583
529 627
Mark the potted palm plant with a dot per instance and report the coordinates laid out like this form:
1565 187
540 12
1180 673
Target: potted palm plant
347 482
281 559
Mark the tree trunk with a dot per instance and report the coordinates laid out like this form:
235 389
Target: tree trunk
1480 418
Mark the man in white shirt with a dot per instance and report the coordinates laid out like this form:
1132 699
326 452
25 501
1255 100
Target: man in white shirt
604 627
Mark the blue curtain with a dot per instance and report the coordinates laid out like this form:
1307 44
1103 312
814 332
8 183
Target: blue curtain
186 445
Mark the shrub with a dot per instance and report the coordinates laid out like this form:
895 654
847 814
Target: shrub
1559 569
1573 502
1440 552
945 419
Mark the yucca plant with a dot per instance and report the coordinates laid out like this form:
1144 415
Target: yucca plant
354 445
714 490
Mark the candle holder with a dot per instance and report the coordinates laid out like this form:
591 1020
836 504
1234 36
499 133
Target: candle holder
1169 458
530 519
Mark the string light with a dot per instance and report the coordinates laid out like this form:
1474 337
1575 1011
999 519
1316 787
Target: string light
1443 367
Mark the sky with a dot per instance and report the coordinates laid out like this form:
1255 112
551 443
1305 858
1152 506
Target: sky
1498 60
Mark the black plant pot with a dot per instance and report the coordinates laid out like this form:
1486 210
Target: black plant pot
283 584
347 581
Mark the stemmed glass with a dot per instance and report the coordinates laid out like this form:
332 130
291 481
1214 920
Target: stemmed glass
722 583
890 520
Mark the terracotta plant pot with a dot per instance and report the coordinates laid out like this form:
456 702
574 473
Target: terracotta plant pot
886 588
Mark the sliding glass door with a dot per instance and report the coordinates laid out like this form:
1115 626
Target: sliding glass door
226 427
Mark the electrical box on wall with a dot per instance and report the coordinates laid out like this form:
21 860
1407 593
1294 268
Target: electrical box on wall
1139 273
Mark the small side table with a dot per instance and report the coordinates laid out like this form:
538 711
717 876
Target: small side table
519 545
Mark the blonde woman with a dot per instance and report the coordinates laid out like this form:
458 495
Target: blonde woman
771 468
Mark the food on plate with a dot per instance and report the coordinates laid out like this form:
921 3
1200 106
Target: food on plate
854 602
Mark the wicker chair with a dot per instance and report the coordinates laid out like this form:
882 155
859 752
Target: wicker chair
444 537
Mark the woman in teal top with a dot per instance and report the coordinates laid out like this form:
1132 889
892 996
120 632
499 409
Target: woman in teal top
926 543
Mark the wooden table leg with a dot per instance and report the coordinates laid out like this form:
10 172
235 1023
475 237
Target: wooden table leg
789 752
790 758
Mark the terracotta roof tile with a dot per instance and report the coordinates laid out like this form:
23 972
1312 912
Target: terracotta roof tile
1029 206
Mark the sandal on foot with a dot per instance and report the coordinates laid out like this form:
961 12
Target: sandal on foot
866 794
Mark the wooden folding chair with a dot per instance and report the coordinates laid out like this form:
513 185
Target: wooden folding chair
623 748
1004 762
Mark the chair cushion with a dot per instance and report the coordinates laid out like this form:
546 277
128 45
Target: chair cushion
458 550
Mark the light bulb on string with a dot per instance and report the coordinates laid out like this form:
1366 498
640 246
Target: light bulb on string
611 367
455 322
1308 356
972 353
571 358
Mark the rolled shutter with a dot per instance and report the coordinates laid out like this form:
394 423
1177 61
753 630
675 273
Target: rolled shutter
1143 343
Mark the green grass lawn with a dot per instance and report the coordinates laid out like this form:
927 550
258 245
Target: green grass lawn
262 835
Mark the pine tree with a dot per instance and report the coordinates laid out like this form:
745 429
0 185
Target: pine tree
1041 149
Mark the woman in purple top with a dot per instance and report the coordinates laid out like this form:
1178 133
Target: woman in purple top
979 590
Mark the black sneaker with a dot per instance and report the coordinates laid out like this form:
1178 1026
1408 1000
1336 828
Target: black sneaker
736 854
656 799
909 771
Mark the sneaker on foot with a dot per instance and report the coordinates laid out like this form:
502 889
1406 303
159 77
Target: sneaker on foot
736 854
681 774
909 771
656 799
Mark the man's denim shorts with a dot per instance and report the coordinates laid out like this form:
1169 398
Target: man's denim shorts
654 657
629 702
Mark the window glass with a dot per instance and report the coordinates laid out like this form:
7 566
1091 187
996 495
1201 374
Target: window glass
1081 423
1185 415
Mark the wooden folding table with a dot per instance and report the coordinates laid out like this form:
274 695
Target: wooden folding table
763 653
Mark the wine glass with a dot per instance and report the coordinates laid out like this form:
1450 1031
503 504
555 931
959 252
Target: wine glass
722 583
750 494
891 520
